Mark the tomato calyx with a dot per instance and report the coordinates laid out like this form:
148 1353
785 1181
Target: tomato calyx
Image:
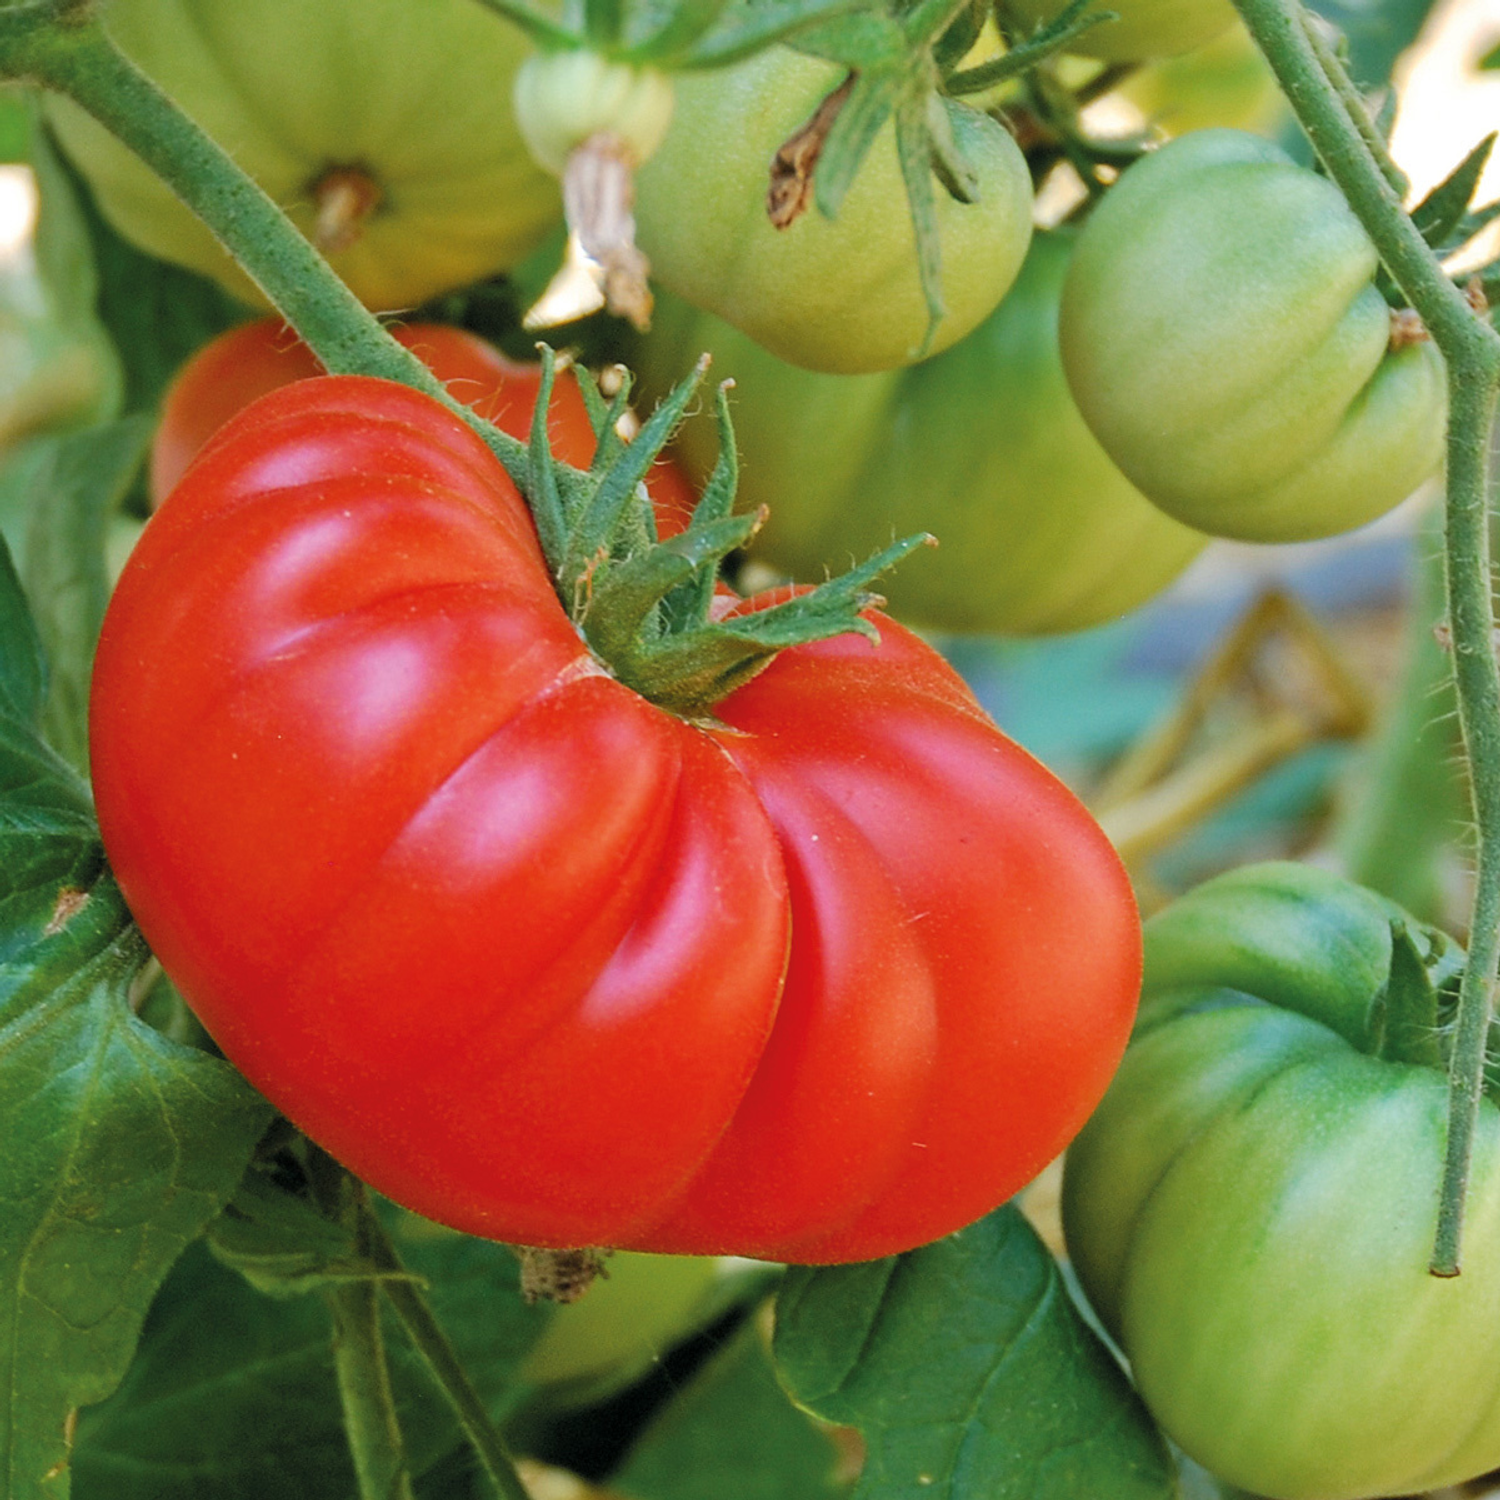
646 603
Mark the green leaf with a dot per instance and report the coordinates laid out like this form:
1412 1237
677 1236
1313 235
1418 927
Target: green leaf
280 1242
1404 1016
156 314
76 486
732 1434
64 252
120 1145
15 124
23 667
232 1395
970 1373
749 26
1490 62
1443 209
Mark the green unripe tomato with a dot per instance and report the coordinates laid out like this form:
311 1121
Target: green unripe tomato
393 116
1143 28
1225 342
838 294
1251 1210
639 1307
564 98
1226 83
981 446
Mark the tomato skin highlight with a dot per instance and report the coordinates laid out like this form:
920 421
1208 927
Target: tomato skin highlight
1252 1208
470 911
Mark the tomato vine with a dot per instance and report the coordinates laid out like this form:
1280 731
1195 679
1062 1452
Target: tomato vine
1330 113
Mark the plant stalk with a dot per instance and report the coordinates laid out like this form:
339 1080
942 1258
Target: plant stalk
364 1381
432 1344
1471 352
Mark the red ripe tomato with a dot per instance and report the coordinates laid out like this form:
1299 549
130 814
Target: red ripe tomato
226 375
819 978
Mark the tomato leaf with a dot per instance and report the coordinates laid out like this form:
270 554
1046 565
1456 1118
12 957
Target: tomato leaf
119 1144
749 26
155 314
280 1242
233 1393
970 1373
23 667
1443 210
731 1432
76 485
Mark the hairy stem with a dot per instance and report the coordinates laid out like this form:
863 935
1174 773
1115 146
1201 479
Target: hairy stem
63 46
432 1344
1471 351
364 1381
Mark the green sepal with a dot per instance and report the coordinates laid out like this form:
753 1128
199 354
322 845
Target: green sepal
743 28
604 23
695 34
1404 1021
688 604
628 594
1023 56
541 482
958 40
864 112
916 150
952 168
689 672
599 526
644 604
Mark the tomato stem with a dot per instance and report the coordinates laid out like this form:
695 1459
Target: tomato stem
1340 130
432 1344
364 1381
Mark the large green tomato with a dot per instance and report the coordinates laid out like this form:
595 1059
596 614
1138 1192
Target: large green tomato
1228 82
1252 1208
1141 28
1225 342
982 446
829 294
392 117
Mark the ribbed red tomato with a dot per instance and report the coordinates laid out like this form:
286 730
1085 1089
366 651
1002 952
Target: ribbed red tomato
819 978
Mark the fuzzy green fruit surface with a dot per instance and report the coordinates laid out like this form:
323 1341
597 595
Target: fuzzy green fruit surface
840 294
1251 1210
1142 28
1224 339
981 446
410 98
